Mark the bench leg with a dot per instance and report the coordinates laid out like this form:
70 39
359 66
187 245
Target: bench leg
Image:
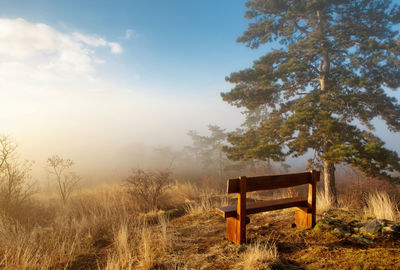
304 217
235 230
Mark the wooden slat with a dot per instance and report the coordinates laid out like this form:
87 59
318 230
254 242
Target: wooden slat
241 211
312 195
270 182
263 206
227 211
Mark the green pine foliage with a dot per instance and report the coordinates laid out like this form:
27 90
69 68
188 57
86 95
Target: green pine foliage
323 81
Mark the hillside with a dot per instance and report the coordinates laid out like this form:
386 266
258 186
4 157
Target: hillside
105 228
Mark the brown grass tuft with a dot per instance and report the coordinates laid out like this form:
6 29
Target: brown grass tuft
323 203
381 206
259 255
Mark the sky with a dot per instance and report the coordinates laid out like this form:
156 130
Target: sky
90 80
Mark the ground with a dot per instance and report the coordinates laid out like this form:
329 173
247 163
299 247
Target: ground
104 229
199 244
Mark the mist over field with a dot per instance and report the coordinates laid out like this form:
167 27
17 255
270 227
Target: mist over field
107 130
54 101
56 98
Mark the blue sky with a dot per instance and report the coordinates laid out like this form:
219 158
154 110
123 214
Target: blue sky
179 46
79 78
82 77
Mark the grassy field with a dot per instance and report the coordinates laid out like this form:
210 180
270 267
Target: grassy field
105 227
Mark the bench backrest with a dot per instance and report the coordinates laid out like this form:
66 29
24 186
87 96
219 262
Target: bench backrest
271 182
236 227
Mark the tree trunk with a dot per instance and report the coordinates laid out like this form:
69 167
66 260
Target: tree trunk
329 167
329 182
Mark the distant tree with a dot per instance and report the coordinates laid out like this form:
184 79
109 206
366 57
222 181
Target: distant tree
321 85
15 185
66 180
208 149
164 156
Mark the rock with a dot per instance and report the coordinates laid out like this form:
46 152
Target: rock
387 229
385 222
361 240
322 227
355 223
339 232
372 227
396 228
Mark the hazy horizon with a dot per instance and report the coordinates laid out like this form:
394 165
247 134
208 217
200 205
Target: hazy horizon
96 88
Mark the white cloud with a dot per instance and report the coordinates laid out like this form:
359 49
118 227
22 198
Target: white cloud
128 34
20 39
47 54
115 47
52 101
97 42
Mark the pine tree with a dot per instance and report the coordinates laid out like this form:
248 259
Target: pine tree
208 149
323 80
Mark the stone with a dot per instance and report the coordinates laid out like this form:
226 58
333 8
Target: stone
361 240
339 232
385 222
387 229
372 227
322 227
396 228
355 223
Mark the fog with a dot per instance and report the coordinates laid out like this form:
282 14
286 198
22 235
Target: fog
53 100
106 129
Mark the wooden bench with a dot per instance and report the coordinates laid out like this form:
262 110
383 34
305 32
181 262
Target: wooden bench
236 215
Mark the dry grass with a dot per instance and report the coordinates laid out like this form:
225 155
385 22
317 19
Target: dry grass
166 235
381 206
75 230
206 201
259 255
203 204
124 256
102 228
323 203
98 228
181 193
41 248
147 254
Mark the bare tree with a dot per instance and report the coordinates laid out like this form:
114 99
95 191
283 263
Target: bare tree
148 187
66 180
15 187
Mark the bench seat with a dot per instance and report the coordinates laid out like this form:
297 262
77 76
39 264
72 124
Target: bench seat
263 206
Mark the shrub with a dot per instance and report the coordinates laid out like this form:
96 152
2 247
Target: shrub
147 188
15 185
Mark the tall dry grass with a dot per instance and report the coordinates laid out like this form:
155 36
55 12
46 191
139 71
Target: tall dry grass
99 227
203 204
166 235
205 201
381 206
323 203
260 255
72 230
